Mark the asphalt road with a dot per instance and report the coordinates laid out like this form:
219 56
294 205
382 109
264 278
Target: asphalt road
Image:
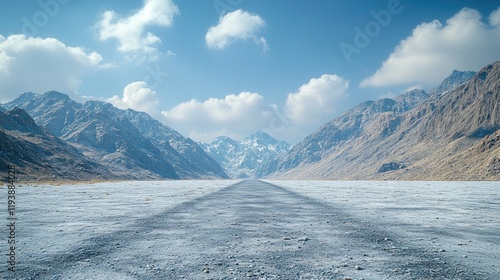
250 230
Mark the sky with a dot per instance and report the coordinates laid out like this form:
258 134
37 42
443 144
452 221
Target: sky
211 68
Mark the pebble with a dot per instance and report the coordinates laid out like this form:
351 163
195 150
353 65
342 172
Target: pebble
357 267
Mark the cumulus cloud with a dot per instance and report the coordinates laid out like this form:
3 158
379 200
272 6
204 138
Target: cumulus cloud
236 25
137 96
434 50
233 115
130 30
238 116
495 18
40 65
317 101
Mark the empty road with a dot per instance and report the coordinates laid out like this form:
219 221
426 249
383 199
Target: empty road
250 230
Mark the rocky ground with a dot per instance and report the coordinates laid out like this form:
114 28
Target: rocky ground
256 230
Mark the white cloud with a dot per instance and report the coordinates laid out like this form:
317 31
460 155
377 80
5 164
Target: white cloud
434 50
40 65
238 116
236 25
234 115
317 101
495 17
137 96
130 30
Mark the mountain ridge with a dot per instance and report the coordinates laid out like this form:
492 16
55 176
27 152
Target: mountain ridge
440 127
398 138
40 155
242 159
107 135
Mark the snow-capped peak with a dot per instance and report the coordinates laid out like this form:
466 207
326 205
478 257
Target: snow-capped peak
241 159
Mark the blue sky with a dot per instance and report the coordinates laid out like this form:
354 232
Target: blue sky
232 67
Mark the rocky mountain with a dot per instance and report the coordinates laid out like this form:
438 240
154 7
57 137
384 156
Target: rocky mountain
452 136
345 128
117 138
242 159
188 158
455 79
449 132
39 155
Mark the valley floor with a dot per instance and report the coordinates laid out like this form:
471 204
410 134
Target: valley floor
257 230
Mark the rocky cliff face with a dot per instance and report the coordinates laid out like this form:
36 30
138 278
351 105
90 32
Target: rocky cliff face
434 137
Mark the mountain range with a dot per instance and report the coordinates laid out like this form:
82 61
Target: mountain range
449 133
242 159
130 144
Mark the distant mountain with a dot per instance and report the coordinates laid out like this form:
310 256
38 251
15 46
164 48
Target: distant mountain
117 138
39 155
455 79
415 136
242 159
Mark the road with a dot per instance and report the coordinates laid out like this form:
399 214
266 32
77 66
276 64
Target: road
250 230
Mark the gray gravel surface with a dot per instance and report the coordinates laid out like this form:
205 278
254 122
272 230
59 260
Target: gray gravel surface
249 230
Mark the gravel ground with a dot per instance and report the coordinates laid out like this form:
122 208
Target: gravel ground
248 230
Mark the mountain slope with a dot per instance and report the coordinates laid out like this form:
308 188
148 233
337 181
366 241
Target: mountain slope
187 156
242 159
107 136
39 155
349 126
434 140
112 137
